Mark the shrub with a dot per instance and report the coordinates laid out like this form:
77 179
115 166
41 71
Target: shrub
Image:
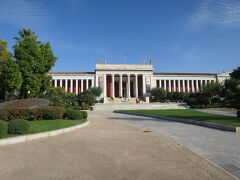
50 113
18 113
85 114
73 114
87 97
3 114
96 91
18 126
3 128
159 94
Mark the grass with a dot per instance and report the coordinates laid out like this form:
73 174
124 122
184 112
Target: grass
48 125
189 114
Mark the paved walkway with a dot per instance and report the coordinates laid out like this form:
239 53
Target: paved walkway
108 149
219 147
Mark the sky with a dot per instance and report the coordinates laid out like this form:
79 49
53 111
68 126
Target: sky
177 35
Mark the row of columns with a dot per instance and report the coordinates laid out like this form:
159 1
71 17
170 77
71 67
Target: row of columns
185 87
128 87
71 84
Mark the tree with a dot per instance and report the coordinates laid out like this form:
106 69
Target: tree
88 97
232 90
10 78
96 91
4 53
212 89
159 94
35 60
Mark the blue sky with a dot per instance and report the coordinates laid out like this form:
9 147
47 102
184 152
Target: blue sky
179 36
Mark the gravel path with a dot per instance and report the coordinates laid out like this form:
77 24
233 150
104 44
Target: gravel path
107 149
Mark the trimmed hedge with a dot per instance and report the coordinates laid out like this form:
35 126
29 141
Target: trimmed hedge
18 126
73 114
50 112
3 128
85 114
3 114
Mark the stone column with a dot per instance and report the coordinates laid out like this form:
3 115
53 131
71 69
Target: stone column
136 85
55 82
71 87
188 90
144 85
170 85
81 85
160 83
201 85
66 85
193 89
76 86
96 80
120 85
184 86
104 85
197 87
113 86
174 85
128 87
179 85
61 83
86 84
164 81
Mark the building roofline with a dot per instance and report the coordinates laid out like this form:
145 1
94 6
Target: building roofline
165 73
70 73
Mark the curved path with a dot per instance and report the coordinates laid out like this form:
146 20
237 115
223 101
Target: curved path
107 149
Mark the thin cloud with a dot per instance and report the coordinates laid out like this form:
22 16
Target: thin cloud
23 13
225 13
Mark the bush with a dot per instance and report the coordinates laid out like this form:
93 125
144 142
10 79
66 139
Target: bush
87 97
3 128
85 114
3 114
18 126
18 113
96 91
50 113
159 94
73 114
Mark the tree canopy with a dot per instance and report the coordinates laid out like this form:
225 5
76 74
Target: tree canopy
4 53
10 78
35 60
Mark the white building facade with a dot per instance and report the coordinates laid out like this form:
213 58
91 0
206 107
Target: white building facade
132 80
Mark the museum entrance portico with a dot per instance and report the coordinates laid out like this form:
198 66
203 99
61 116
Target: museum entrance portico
124 85
124 80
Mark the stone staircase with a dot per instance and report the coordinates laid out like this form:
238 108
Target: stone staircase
122 101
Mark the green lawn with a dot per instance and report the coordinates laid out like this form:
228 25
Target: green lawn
189 114
48 125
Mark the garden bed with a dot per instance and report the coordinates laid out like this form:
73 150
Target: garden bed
47 125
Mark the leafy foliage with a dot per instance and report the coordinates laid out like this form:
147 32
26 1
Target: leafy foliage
35 59
159 94
73 114
10 78
87 97
18 126
4 53
232 90
58 97
3 128
96 91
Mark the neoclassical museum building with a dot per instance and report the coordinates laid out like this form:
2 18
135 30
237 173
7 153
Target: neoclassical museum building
132 80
